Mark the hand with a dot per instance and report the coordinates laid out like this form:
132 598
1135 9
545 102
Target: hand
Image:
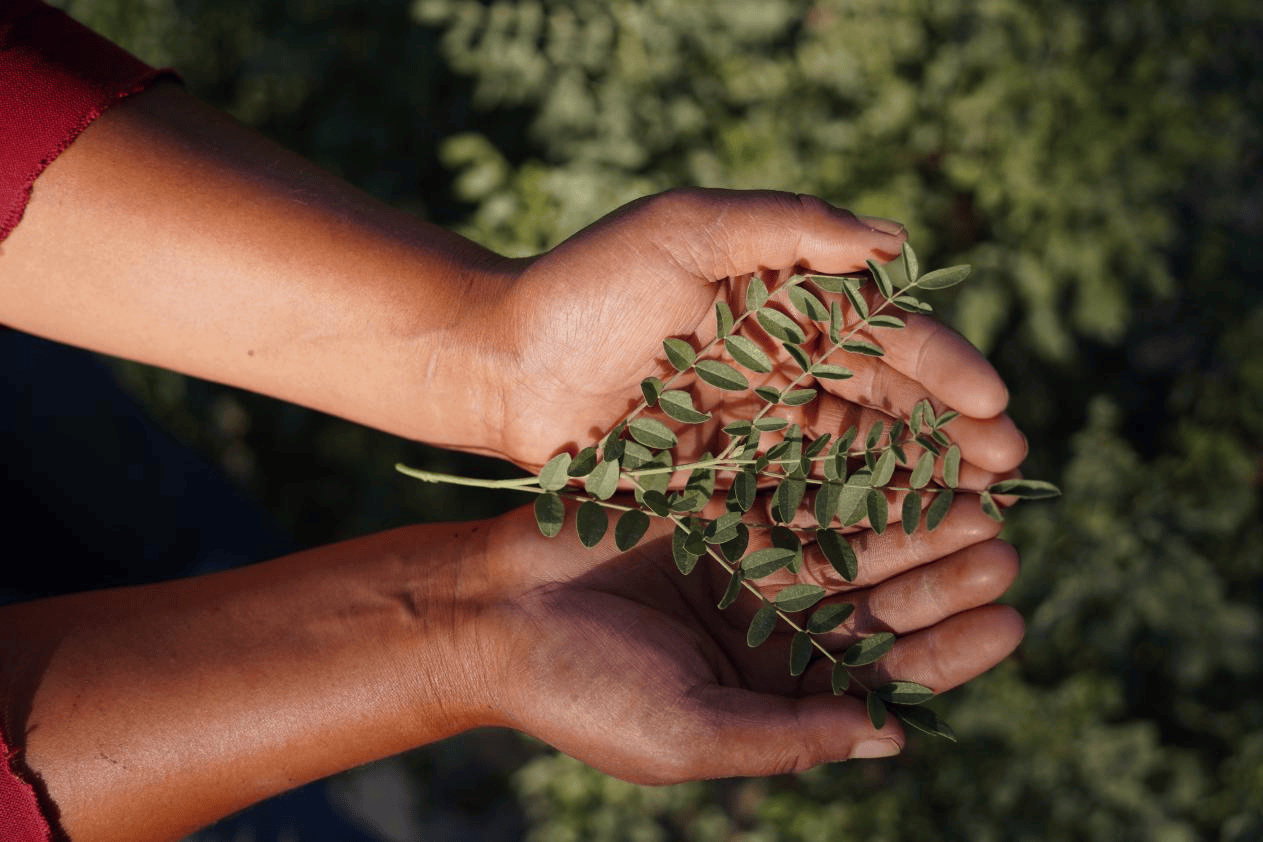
591 315
619 661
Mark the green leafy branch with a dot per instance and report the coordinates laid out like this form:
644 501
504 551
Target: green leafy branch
638 452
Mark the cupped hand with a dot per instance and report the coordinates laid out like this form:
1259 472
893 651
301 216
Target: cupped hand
588 318
621 662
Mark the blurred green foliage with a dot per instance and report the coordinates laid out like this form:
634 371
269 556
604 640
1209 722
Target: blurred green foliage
1099 164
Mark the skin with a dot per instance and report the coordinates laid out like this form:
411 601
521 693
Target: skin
170 235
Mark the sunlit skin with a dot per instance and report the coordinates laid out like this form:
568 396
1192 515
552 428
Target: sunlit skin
168 234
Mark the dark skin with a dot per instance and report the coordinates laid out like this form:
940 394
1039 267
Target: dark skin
169 234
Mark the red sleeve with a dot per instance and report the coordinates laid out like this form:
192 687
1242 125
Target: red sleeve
56 77
20 816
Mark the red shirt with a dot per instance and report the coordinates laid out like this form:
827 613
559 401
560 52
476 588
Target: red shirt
56 77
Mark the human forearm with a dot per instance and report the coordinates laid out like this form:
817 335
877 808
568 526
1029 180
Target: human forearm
175 704
169 234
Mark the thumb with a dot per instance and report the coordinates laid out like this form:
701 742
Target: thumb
725 233
761 734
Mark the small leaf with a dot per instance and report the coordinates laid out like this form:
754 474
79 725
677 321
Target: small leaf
800 653
652 433
722 528
947 416
882 278
814 448
938 509
770 424
886 321
722 376
905 693
807 304
924 470
635 455
861 346
851 288
884 469
800 356
799 597
591 523
829 283
679 405
910 265
911 515
826 503
918 413
826 371
951 467
768 394
738 429
989 507
925 721
651 387
680 353
745 486
788 497
550 514
603 481
826 618
852 502
784 538
779 325
583 463
631 527
840 678
553 475
912 304
733 590
869 650
748 354
874 435
734 549
838 552
762 626
657 502
798 397
878 510
756 293
765 562
1026 489
723 319
929 444
876 711
835 322
944 278
685 560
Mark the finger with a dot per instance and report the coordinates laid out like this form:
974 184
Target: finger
725 233
927 595
952 652
763 734
993 443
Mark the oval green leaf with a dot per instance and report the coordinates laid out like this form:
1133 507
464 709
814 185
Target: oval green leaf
989 507
923 472
799 597
680 354
756 293
583 463
723 319
944 278
878 510
631 527
827 371
910 265
881 277
722 376
925 721
748 354
550 514
679 405
951 467
765 562
869 650
779 325
733 590
798 397
885 468
911 514
807 304
685 559
603 481
861 346
938 508
762 626
826 618
840 678
652 433
554 475
905 693
591 523
800 653
839 553
876 711
1026 489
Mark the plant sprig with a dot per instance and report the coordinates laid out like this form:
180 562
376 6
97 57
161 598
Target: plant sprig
849 476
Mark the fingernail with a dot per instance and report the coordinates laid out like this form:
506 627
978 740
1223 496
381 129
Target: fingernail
869 749
886 226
